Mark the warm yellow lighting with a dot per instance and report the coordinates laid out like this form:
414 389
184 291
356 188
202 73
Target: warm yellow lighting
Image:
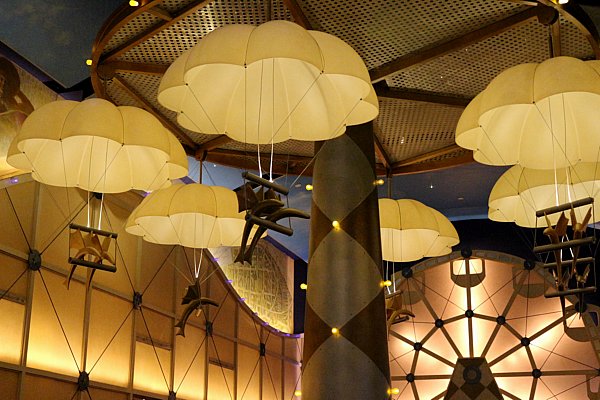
460 267
379 182
387 283
309 187
297 393
321 67
335 224
303 286
60 144
519 192
410 230
175 216
535 115
393 391
563 1
335 331
134 3
88 61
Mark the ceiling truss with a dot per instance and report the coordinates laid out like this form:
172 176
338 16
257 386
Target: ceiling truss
110 65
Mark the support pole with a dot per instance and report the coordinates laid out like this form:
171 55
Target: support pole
345 288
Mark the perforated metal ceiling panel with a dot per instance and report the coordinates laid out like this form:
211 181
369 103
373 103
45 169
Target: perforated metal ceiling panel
168 44
468 71
382 30
409 128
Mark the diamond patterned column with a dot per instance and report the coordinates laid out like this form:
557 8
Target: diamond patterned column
344 276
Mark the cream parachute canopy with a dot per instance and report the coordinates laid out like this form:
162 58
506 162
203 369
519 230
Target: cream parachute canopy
410 230
540 116
97 146
268 84
520 192
193 215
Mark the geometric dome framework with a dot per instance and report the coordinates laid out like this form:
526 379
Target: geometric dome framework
497 312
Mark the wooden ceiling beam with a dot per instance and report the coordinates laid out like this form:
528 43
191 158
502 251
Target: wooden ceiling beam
212 144
108 69
150 108
297 14
153 30
437 50
576 15
555 48
382 154
160 13
294 165
383 90
427 156
433 165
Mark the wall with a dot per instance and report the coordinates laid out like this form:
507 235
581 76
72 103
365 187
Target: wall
49 333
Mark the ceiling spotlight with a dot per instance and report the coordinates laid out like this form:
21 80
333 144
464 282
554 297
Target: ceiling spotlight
336 224
379 182
88 61
134 3
309 187
335 331
303 286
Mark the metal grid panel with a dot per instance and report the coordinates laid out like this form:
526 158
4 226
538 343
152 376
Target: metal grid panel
119 96
381 30
468 71
407 128
131 29
447 156
173 6
147 86
573 42
167 45
291 147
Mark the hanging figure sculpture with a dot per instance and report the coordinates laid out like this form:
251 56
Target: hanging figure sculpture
194 300
264 208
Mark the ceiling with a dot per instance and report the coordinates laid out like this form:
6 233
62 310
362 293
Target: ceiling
427 59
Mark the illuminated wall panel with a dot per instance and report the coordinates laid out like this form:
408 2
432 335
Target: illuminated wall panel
499 313
190 364
248 374
271 377
11 331
109 343
220 382
48 347
116 341
151 371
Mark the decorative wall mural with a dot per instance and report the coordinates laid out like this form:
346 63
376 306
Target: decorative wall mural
262 283
20 93
484 329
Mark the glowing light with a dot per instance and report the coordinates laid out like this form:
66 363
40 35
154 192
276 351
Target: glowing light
297 393
393 391
475 266
134 3
88 61
336 224
309 187
303 286
386 283
335 331
379 182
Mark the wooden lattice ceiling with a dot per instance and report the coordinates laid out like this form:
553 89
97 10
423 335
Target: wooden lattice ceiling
427 59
